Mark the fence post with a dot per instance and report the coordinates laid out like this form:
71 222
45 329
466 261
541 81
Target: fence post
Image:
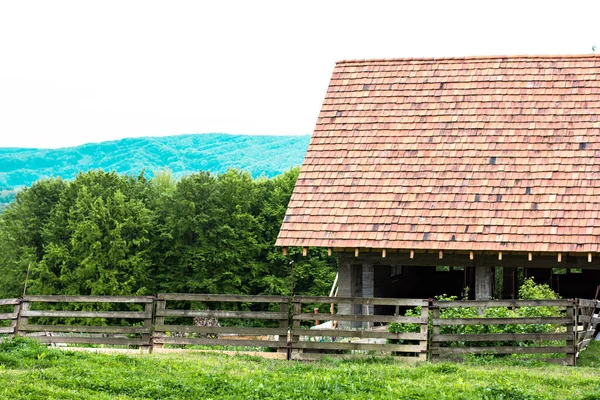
148 309
294 337
21 320
435 331
424 330
571 343
284 324
15 321
159 320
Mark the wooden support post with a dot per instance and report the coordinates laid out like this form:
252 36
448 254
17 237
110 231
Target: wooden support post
284 324
14 323
423 329
329 251
284 251
435 331
159 320
441 254
530 256
147 336
412 254
559 257
383 253
572 342
304 251
356 252
483 282
500 256
295 330
589 257
23 321
471 255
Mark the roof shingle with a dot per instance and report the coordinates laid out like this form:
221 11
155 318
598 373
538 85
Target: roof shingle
490 153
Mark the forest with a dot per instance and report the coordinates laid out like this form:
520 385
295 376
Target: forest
182 154
105 233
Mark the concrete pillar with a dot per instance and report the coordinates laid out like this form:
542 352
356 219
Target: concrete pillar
344 284
483 283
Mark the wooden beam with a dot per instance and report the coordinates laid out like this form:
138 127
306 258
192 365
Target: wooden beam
329 251
284 251
356 252
304 251
471 255
589 257
412 254
559 257
441 254
530 256
383 253
500 255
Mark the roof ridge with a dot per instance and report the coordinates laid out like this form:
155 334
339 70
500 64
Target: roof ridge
472 58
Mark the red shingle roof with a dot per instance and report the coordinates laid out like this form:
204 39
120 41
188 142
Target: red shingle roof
491 153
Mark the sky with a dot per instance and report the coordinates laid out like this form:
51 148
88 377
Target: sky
75 72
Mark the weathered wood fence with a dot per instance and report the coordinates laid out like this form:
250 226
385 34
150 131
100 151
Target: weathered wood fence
9 320
309 327
520 327
587 314
364 332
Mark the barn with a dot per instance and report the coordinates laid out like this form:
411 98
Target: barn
428 176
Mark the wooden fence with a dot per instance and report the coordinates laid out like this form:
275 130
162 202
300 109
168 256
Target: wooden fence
9 320
72 323
360 333
239 313
489 330
310 327
587 315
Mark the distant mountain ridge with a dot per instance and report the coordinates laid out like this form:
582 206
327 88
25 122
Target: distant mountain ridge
182 154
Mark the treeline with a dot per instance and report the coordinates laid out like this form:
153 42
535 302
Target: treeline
110 234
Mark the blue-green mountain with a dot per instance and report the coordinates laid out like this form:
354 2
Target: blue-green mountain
182 154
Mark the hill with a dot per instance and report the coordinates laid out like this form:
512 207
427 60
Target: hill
182 154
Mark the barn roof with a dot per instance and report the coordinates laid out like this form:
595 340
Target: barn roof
485 154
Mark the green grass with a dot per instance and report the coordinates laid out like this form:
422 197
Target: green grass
32 371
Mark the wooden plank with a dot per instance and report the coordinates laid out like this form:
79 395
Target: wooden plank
85 314
505 350
586 319
405 358
493 337
222 314
502 303
222 298
7 329
407 348
89 299
221 330
357 318
218 342
9 302
361 300
90 340
502 321
8 316
84 329
588 303
359 334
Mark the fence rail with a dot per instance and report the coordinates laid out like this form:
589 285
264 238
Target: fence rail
10 319
51 326
533 334
309 327
240 317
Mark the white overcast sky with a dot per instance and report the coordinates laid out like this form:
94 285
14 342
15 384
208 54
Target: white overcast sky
73 72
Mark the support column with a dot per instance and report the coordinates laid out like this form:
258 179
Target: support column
368 289
344 284
483 283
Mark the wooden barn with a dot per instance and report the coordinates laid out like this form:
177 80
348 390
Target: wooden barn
427 176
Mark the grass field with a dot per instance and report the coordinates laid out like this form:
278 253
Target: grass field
32 371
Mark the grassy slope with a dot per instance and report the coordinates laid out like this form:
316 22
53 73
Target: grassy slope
34 372
183 154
